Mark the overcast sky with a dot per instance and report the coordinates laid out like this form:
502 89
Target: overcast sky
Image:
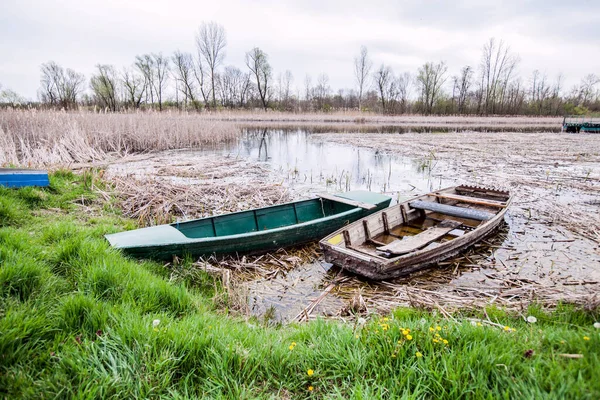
304 36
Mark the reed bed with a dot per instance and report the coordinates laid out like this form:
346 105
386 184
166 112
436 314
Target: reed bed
151 201
162 189
356 117
48 138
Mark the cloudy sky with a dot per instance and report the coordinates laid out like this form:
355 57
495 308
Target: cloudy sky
303 36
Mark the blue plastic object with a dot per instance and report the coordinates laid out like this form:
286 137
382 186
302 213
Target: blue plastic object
16 178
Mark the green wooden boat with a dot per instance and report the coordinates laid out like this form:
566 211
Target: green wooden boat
252 231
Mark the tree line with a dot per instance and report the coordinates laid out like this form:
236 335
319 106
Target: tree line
200 81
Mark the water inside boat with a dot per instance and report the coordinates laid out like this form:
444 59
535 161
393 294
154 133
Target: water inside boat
421 224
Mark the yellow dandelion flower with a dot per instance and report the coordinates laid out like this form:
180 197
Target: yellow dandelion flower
293 343
356 336
419 354
405 332
386 319
435 341
311 388
479 324
507 328
445 341
431 329
438 328
586 338
291 347
408 329
409 337
437 335
310 372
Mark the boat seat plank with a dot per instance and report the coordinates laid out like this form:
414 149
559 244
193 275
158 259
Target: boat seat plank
453 211
354 203
471 200
412 243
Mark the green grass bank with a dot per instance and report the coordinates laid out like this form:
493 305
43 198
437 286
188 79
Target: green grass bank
79 320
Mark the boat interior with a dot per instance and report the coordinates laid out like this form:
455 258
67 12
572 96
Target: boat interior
262 218
427 222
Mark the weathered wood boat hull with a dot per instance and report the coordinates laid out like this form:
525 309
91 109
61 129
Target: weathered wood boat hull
251 231
16 178
347 249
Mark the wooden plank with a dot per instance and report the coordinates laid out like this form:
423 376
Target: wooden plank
412 243
328 196
367 251
366 228
471 200
346 238
386 224
454 211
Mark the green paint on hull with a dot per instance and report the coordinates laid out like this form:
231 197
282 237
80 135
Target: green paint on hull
251 231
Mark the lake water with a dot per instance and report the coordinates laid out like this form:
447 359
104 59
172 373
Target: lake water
308 163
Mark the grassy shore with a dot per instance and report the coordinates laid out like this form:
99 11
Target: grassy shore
77 319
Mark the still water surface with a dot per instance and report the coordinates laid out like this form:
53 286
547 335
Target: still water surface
308 163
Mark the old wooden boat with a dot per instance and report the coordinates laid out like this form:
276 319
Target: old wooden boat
412 235
16 178
251 231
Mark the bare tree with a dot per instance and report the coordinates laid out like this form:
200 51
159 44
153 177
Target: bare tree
430 79
403 84
384 78
161 64
233 85
498 66
462 84
145 64
540 91
60 87
258 63
322 91
362 70
288 78
105 86
199 74
183 64
134 86
556 99
587 89
8 96
308 88
211 42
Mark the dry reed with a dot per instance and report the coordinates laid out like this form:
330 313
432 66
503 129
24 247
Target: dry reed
46 138
355 117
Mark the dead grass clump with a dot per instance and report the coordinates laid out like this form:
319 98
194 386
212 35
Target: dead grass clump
34 137
155 201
